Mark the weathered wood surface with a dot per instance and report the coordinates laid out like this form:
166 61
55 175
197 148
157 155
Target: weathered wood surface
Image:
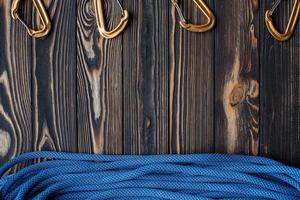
191 85
156 88
145 74
99 83
280 91
38 82
16 133
54 81
237 77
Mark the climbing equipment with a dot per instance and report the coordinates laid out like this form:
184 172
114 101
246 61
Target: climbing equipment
211 20
291 24
70 176
46 23
100 17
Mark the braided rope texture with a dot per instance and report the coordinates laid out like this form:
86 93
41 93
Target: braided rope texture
69 176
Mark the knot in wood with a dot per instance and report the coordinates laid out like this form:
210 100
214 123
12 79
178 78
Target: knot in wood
5 142
148 123
237 95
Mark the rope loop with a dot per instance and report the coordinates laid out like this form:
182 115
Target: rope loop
69 176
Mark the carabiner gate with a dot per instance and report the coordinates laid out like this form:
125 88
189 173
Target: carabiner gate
46 23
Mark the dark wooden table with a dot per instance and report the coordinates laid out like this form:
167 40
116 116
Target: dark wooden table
155 89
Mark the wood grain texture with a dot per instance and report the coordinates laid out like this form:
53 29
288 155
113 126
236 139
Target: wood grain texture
280 96
237 77
54 80
99 75
145 78
15 85
191 84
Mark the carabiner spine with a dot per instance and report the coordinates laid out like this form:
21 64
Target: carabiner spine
44 18
211 20
290 26
46 23
100 18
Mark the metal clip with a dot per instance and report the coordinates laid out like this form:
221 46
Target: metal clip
211 20
99 12
291 24
46 23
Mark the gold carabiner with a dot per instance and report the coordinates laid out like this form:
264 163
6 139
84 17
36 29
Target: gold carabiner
99 12
46 23
211 20
291 24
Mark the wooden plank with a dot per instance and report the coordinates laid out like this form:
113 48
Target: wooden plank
156 88
99 74
54 81
15 84
15 93
280 90
191 86
145 78
237 77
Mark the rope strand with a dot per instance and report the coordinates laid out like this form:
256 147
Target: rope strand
206 176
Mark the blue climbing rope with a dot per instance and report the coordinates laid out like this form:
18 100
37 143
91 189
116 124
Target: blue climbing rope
206 176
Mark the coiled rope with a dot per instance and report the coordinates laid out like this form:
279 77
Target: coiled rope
206 176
